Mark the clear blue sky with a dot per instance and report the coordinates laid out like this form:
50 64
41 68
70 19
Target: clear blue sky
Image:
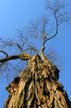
14 14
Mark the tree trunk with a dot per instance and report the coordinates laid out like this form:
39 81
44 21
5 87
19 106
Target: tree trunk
37 87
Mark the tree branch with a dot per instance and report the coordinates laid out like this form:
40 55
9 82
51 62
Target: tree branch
45 39
56 29
4 52
32 48
14 43
9 58
23 56
17 44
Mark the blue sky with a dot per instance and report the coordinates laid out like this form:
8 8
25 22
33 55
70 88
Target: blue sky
14 15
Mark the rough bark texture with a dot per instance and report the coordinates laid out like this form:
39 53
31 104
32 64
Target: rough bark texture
37 87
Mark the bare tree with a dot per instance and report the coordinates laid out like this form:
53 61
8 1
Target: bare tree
37 32
37 86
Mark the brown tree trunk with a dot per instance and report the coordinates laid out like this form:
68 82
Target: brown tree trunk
37 87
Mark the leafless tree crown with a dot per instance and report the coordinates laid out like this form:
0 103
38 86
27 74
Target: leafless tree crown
34 38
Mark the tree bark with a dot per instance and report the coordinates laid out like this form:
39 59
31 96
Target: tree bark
37 87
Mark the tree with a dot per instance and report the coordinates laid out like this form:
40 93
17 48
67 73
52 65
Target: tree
40 79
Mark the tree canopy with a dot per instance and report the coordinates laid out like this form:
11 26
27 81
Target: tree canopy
32 40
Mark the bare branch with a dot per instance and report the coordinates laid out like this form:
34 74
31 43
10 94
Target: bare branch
66 17
4 52
10 43
55 5
32 49
17 44
55 10
45 39
22 37
9 58
56 20
60 17
23 56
